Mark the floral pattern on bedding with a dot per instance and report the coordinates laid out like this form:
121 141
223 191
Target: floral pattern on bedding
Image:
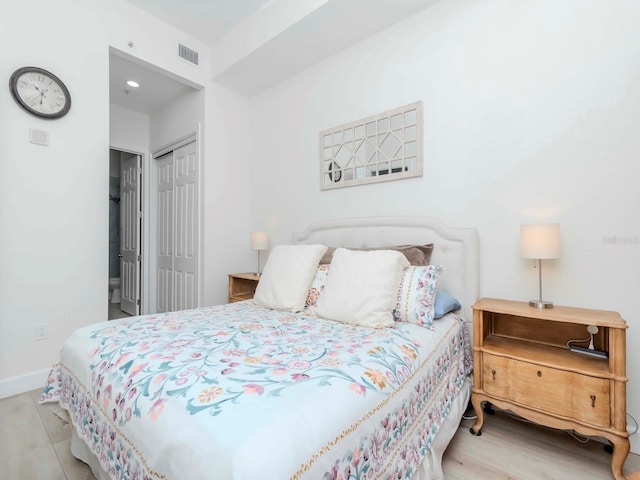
416 412
115 454
216 359
213 361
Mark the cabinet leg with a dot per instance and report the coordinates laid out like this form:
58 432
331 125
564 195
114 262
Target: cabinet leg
477 407
620 452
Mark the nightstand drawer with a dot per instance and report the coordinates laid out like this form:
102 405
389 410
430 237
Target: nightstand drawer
550 390
495 376
591 400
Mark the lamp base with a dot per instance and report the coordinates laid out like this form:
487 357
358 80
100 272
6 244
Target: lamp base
540 304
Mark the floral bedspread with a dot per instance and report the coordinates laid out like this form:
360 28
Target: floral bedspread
241 392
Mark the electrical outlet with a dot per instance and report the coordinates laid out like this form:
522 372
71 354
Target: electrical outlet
41 331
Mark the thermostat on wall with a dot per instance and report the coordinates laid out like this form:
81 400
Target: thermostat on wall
39 137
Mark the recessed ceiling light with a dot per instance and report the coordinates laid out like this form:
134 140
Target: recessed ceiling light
133 84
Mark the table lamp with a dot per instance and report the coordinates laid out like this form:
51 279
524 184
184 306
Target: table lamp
540 242
259 242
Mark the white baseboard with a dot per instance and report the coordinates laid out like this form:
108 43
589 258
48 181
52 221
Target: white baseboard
23 383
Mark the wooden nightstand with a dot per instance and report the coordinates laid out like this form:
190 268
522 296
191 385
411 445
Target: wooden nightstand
522 364
242 286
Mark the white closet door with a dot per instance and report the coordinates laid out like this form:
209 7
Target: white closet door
177 253
165 233
130 234
186 223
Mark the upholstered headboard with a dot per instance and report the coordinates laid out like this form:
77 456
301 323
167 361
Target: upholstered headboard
456 249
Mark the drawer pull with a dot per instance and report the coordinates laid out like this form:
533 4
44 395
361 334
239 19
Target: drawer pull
493 374
593 401
539 373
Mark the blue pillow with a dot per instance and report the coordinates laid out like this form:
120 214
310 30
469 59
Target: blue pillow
444 303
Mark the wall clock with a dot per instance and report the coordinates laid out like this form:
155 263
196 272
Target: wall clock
40 92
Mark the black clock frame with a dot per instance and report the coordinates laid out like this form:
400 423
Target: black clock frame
13 86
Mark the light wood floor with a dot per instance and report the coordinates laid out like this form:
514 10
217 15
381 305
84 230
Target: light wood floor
34 445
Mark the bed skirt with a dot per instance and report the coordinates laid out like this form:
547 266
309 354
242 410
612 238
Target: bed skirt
431 468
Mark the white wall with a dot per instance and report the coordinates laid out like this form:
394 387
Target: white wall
128 129
226 191
53 199
177 119
531 111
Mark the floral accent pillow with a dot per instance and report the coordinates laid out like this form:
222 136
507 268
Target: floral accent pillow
317 285
416 295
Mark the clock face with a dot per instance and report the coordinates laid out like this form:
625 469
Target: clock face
40 93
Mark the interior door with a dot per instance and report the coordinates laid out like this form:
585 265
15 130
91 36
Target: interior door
165 233
130 228
186 227
177 229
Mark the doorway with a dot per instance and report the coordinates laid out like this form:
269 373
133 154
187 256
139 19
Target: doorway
125 233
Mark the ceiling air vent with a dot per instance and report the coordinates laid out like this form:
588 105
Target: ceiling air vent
187 54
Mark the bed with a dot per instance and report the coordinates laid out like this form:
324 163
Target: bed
241 391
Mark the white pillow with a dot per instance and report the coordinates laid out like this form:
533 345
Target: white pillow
287 276
362 287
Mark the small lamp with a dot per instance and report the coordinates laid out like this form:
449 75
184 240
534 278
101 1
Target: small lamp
540 242
259 242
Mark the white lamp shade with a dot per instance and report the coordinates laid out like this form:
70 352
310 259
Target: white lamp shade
540 241
259 241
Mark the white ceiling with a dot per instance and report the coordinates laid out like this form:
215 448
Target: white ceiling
155 88
206 20
328 29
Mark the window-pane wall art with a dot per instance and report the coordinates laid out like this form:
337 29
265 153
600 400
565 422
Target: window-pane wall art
383 147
